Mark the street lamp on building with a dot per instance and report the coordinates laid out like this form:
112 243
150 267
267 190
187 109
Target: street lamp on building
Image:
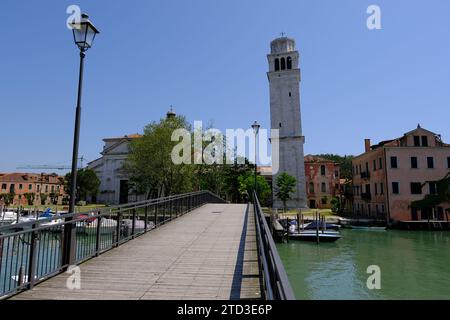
84 34
255 127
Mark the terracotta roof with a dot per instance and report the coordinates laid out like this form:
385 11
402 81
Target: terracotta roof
310 158
26 177
127 136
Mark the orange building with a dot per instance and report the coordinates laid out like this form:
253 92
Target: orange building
322 181
31 188
388 176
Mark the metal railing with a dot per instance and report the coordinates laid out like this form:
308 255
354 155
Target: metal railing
276 284
33 251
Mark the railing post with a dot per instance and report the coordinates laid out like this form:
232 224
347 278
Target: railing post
133 222
119 213
156 214
145 217
97 239
32 258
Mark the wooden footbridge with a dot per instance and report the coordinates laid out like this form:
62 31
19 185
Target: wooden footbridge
192 246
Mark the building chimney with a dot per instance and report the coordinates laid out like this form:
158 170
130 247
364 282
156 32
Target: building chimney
367 145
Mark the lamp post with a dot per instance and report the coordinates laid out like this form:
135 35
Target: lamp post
255 127
84 34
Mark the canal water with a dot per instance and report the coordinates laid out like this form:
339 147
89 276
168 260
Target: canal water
413 265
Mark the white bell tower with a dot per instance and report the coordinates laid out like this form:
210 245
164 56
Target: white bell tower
284 83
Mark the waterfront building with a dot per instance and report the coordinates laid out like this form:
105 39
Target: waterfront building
285 115
32 188
392 174
322 181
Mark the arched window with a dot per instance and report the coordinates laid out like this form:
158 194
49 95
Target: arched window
277 64
283 64
289 62
323 187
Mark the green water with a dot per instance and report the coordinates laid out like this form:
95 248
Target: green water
413 264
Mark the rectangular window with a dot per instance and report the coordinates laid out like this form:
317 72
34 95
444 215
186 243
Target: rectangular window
433 187
424 141
380 163
414 163
374 165
20 186
30 187
394 164
448 162
416 188
322 170
376 188
395 188
3 186
430 162
416 141
381 188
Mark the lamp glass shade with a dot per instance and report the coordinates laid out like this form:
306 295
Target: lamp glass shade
255 127
84 34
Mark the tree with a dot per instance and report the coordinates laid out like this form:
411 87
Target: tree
335 205
30 196
43 198
247 186
150 166
285 186
87 184
7 198
433 200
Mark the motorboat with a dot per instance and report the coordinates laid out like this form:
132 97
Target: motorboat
311 235
107 226
7 217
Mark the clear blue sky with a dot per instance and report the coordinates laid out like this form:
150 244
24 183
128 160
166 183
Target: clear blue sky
208 59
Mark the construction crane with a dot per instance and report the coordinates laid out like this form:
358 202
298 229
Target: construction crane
51 167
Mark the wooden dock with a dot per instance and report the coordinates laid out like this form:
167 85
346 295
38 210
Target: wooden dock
209 253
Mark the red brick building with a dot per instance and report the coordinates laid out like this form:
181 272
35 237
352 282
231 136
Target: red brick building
322 181
32 188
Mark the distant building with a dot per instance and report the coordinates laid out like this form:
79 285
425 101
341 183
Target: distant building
114 186
40 188
388 176
322 184
322 181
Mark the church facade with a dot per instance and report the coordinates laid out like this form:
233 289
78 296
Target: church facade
284 82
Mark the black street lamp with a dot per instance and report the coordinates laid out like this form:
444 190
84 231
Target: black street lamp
84 34
255 127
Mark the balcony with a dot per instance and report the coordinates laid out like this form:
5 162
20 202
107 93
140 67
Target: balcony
366 196
365 175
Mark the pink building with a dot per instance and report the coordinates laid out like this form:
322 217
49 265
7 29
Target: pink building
388 176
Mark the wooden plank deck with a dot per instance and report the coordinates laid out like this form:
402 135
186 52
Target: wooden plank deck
209 253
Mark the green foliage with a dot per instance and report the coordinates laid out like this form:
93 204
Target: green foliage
54 198
335 205
345 163
43 197
433 200
7 198
87 184
247 185
150 165
285 186
30 196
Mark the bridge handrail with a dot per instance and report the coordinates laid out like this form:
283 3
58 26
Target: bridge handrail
275 281
31 252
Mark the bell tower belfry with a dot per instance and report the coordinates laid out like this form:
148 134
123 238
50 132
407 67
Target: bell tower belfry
284 83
